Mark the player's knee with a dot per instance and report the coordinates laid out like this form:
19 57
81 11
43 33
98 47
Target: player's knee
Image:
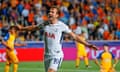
16 62
8 64
101 70
85 56
51 70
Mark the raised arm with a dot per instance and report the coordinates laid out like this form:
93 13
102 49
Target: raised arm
81 40
32 27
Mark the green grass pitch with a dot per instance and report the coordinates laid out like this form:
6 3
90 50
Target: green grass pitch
67 66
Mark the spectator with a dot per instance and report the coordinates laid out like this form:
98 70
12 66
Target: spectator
98 18
117 33
30 17
20 7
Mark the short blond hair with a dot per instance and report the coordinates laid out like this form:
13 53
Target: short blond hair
58 10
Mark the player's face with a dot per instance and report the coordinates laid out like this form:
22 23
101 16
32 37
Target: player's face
106 48
14 31
84 34
53 14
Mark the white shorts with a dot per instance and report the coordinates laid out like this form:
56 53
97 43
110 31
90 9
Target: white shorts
53 63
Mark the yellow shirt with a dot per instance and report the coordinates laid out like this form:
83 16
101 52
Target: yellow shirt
80 46
10 38
106 59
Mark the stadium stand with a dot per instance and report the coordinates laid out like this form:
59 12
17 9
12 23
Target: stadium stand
98 18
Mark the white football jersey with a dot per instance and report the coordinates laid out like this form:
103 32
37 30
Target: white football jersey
53 35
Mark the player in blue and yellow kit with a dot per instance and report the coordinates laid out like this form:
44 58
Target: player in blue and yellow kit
106 60
9 42
81 51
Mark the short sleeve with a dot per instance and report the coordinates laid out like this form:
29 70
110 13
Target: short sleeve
99 55
113 56
66 29
6 37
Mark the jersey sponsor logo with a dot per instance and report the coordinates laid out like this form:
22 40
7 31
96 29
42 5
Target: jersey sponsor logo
50 35
107 60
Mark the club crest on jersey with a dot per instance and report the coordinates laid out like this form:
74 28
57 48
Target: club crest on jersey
50 35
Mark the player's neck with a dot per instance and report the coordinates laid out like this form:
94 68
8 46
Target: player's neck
106 51
11 33
54 21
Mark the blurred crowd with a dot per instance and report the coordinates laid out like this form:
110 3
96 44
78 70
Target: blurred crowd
99 19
